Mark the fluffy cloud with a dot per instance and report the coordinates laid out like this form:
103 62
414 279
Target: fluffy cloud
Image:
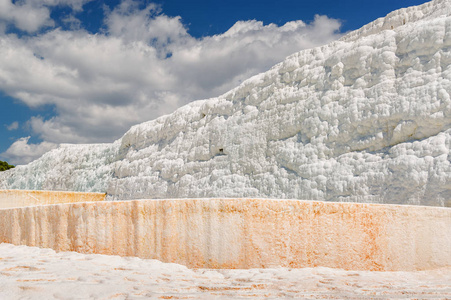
21 152
32 15
144 65
24 16
13 126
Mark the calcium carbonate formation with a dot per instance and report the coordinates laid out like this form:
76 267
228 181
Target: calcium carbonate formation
366 118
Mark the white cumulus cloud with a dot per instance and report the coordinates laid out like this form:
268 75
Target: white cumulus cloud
25 16
21 152
13 126
32 15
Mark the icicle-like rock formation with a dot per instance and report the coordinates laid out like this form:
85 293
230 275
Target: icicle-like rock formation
366 118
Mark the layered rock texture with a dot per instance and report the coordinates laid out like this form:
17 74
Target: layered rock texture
363 119
242 233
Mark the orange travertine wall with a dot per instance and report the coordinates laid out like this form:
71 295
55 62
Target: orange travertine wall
20 198
242 233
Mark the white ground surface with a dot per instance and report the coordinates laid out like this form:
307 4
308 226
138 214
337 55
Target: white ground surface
34 273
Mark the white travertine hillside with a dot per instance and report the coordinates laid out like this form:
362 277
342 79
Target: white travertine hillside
366 118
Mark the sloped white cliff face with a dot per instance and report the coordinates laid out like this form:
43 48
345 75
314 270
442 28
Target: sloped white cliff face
68 168
366 118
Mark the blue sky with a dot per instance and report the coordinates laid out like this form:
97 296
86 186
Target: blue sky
81 71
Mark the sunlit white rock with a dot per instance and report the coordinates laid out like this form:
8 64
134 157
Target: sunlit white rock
366 118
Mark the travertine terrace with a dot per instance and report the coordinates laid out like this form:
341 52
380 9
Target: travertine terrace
242 233
21 198
361 125
366 119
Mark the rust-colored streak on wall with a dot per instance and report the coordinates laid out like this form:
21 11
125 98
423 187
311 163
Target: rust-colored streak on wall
21 198
242 233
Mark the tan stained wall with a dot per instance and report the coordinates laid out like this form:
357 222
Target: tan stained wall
21 198
242 233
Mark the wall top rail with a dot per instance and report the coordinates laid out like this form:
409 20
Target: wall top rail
22 198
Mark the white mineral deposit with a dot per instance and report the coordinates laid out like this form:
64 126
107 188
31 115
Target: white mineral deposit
34 273
364 119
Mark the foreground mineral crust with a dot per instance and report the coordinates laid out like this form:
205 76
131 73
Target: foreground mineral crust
366 118
33 273
242 233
